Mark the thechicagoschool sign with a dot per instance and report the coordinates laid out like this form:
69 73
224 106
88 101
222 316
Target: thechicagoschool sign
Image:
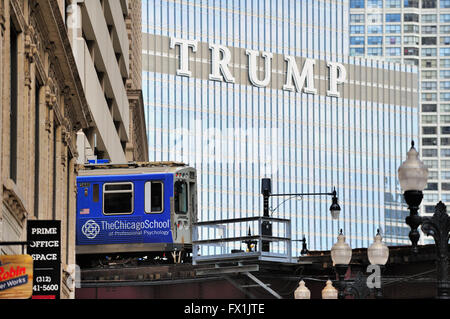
296 79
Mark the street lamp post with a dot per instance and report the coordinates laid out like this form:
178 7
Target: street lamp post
341 255
378 255
413 177
266 191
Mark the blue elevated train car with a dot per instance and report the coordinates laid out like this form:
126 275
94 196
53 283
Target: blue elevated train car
139 209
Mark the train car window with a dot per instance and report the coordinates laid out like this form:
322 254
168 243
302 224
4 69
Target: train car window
117 198
96 193
154 197
181 197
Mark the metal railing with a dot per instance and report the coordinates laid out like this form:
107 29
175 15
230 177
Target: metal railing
262 238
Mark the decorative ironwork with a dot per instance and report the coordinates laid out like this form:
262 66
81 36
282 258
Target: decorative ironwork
438 226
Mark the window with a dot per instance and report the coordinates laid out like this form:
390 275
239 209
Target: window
411 28
429 97
445 163
393 17
444 18
427 4
375 18
444 187
429 107
445 96
444 40
375 51
445 107
374 40
445 119
393 3
429 51
375 29
393 40
357 18
429 119
411 51
411 3
432 187
429 130
356 51
118 198
37 90
429 86
56 130
411 39
356 3
431 197
13 104
445 130
429 209
445 141
429 63
445 29
429 152
431 163
429 74
393 28
429 18
444 51
393 51
181 197
356 29
445 74
428 40
444 3
429 29
374 3
411 17
445 152
445 85
429 141
356 40
411 62
154 195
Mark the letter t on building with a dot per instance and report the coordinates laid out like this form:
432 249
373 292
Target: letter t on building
184 54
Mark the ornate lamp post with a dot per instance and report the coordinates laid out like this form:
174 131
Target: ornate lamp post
378 254
329 292
302 292
341 254
413 177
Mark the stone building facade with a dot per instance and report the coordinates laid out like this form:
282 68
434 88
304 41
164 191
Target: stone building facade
44 105
137 148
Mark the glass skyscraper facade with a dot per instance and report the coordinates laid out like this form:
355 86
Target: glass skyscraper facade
416 33
222 94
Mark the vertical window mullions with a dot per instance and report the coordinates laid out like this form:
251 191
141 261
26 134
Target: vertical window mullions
68 196
55 143
36 148
13 103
